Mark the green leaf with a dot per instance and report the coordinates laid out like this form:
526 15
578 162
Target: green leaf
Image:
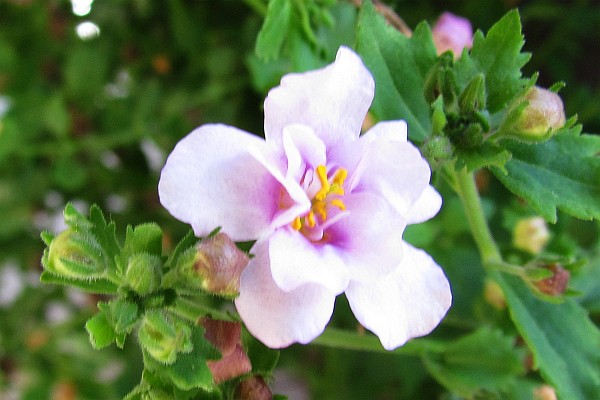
498 56
399 66
564 342
144 238
274 30
483 360
486 155
100 286
101 331
563 172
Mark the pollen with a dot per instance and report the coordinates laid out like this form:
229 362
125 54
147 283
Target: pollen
328 196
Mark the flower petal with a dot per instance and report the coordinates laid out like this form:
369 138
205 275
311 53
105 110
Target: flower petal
296 261
333 100
303 149
211 180
369 237
425 207
393 169
279 318
408 303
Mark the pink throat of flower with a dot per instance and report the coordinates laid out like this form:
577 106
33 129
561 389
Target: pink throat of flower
328 197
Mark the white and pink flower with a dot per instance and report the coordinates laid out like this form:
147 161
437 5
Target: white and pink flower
452 32
326 207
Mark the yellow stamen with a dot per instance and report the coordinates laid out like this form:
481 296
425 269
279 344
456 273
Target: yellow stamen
319 208
339 204
297 224
311 219
322 175
340 176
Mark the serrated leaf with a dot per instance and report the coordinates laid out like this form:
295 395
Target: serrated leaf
563 173
486 155
143 238
498 56
399 65
564 342
483 360
101 286
101 331
274 29
122 314
189 240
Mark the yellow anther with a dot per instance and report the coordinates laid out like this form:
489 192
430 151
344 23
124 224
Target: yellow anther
340 176
319 208
297 224
322 175
339 204
311 219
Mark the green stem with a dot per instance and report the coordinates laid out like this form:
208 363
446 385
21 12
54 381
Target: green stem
467 191
341 339
194 310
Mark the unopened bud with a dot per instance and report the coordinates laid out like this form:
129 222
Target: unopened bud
163 338
544 392
493 294
452 32
219 263
531 235
70 254
556 284
543 116
226 336
143 273
253 388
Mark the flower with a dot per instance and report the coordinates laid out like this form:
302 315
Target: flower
452 32
326 207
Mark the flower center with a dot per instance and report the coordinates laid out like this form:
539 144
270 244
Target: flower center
329 195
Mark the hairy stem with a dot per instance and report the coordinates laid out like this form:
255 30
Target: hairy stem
469 196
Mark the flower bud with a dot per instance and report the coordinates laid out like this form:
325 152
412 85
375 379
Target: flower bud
253 388
531 235
163 338
70 254
452 32
226 336
556 284
220 263
143 273
544 392
543 115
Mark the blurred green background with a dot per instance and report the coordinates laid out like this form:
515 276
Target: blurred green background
94 95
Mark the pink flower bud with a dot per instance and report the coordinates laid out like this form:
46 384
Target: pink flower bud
253 388
220 263
544 114
226 337
452 32
557 283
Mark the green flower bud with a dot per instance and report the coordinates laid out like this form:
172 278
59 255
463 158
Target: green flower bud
473 98
143 273
74 255
541 118
163 337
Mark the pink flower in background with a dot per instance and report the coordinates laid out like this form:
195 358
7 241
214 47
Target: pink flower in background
452 32
326 207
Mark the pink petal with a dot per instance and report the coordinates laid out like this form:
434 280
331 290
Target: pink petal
452 32
408 303
303 149
296 261
333 100
425 207
210 180
392 169
279 318
369 237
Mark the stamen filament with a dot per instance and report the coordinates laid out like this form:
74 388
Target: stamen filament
339 204
311 219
